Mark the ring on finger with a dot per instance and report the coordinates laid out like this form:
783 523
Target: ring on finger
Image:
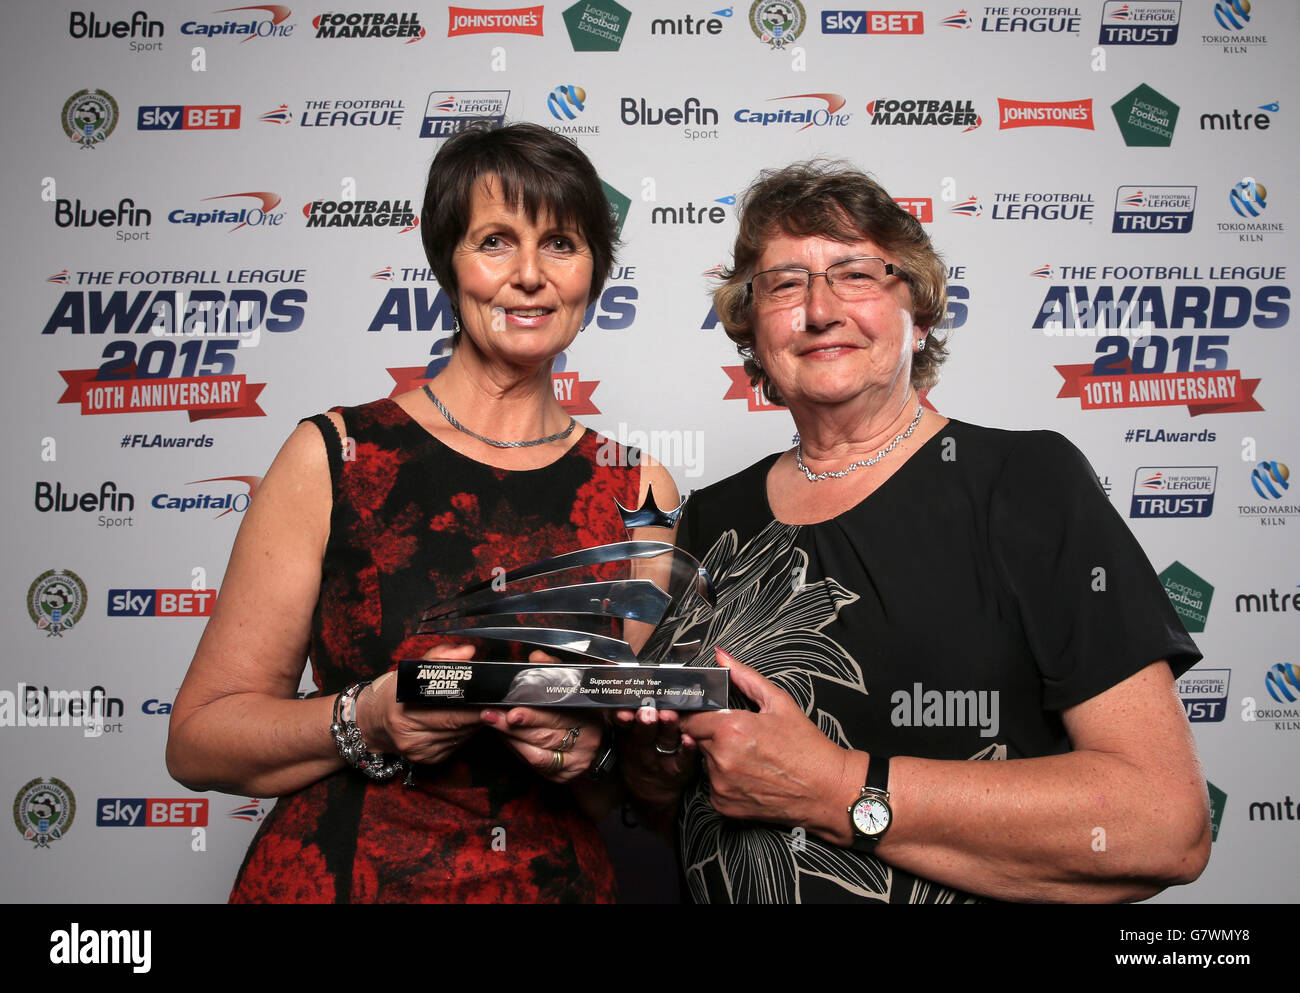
557 760
570 739
669 751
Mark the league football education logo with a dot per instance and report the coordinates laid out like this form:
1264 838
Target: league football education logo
89 116
43 811
56 600
777 22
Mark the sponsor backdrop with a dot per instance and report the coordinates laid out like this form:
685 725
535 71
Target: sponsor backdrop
212 233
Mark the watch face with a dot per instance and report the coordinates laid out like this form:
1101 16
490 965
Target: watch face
871 815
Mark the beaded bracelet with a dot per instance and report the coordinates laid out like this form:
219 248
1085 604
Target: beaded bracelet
352 749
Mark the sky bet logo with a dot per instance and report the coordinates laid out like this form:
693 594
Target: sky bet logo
873 22
161 603
1173 491
141 812
210 117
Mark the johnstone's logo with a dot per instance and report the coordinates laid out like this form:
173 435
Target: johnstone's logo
89 116
210 117
224 499
777 23
160 603
1204 693
343 113
43 810
124 217
1140 22
1146 117
818 110
246 27
473 20
1173 491
567 103
373 25
1040 114
873 22
1154 209
263 216
361 214
448 111
56 600
925 113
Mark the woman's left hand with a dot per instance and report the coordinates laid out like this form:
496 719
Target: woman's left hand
774 765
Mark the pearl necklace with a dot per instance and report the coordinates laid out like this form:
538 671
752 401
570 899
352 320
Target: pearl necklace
798 454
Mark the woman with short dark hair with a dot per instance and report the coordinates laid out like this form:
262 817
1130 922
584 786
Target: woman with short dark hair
369 515
953 667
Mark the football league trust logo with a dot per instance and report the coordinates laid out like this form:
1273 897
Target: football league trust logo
55 601
43 811
89 116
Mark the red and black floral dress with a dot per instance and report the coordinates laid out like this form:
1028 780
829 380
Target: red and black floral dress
413 522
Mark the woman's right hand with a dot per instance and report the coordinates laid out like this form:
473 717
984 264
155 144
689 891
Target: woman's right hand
427 735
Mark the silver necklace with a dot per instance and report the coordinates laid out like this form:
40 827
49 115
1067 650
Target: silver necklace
489 441
818 477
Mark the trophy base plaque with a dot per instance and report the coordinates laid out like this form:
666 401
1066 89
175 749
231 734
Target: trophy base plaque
529 684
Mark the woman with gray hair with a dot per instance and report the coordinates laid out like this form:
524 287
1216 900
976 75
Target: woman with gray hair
953 667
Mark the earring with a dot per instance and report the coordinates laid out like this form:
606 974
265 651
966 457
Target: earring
920 345
455 325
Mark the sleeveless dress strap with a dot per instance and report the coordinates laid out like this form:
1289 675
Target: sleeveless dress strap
333 444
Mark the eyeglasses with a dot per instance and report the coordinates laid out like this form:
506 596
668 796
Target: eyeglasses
852 279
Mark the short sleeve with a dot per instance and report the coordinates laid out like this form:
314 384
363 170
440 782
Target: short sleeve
1092 609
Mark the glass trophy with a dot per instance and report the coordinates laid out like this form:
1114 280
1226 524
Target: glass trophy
584 609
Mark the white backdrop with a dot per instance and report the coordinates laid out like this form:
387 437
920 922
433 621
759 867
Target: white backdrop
270 122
